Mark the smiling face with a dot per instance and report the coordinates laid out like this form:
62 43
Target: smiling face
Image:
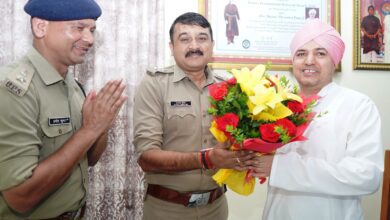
192 47
313 68
64 43
71 40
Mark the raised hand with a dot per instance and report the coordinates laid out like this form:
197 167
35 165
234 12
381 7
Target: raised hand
100 110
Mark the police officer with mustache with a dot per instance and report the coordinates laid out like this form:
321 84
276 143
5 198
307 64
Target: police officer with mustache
171 130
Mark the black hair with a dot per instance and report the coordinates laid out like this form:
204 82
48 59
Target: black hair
191 18
371 6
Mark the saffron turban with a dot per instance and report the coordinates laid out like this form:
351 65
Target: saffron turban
321 33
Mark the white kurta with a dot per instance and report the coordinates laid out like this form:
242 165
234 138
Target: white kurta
325 176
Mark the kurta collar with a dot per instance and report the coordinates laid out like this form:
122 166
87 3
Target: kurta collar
327 89
45 70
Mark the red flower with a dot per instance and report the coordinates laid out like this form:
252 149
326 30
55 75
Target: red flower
268 133
232 81
218 91
225 120
288 125
296 107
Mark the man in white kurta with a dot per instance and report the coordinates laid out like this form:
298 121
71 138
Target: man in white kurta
324 177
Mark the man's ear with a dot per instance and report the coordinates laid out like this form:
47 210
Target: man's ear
39 27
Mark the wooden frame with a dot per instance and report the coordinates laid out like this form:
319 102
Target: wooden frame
264 32
370 51
385 207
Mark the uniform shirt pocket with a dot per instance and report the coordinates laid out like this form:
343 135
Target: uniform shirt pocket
53 131
54 135
180 121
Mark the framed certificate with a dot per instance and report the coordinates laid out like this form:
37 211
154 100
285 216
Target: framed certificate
249 32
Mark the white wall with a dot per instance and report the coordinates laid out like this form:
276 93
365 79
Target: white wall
372 83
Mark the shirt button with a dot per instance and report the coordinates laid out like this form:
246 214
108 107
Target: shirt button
205 141
60 131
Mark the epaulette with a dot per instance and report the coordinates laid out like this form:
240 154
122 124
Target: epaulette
154 70
18 80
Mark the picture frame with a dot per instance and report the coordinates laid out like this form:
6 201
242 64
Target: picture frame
370 51
264 30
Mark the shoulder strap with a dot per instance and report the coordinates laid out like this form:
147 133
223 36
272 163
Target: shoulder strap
18 80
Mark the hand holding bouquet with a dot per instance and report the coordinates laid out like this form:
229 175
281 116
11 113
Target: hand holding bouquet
259 112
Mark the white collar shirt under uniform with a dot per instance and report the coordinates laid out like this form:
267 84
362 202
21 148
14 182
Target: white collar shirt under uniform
325 176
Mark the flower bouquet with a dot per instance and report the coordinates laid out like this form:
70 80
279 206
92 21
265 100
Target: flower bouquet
259 112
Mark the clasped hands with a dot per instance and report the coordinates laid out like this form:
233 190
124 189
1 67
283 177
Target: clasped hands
100 109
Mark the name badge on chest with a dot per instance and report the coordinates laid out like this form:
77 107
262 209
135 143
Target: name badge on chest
180 103
59 121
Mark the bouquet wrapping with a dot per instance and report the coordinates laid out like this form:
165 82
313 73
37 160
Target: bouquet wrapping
259 112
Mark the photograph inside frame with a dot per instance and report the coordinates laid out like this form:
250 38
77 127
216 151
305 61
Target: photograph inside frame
374 31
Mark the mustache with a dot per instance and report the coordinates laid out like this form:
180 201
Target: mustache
192 52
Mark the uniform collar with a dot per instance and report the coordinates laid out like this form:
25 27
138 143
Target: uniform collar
45 70
179 74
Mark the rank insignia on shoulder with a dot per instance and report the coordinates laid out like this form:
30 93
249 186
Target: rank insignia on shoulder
22 76
59 121
14 88
18 81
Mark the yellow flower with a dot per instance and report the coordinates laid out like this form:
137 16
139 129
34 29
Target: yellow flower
272 114
218 134
282 91
248 79
267 95
264 98
258 99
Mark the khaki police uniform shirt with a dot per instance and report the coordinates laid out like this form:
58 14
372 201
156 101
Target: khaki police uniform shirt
39 111
170 113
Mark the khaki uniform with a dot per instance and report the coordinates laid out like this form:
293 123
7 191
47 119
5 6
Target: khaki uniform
39 111
170 113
